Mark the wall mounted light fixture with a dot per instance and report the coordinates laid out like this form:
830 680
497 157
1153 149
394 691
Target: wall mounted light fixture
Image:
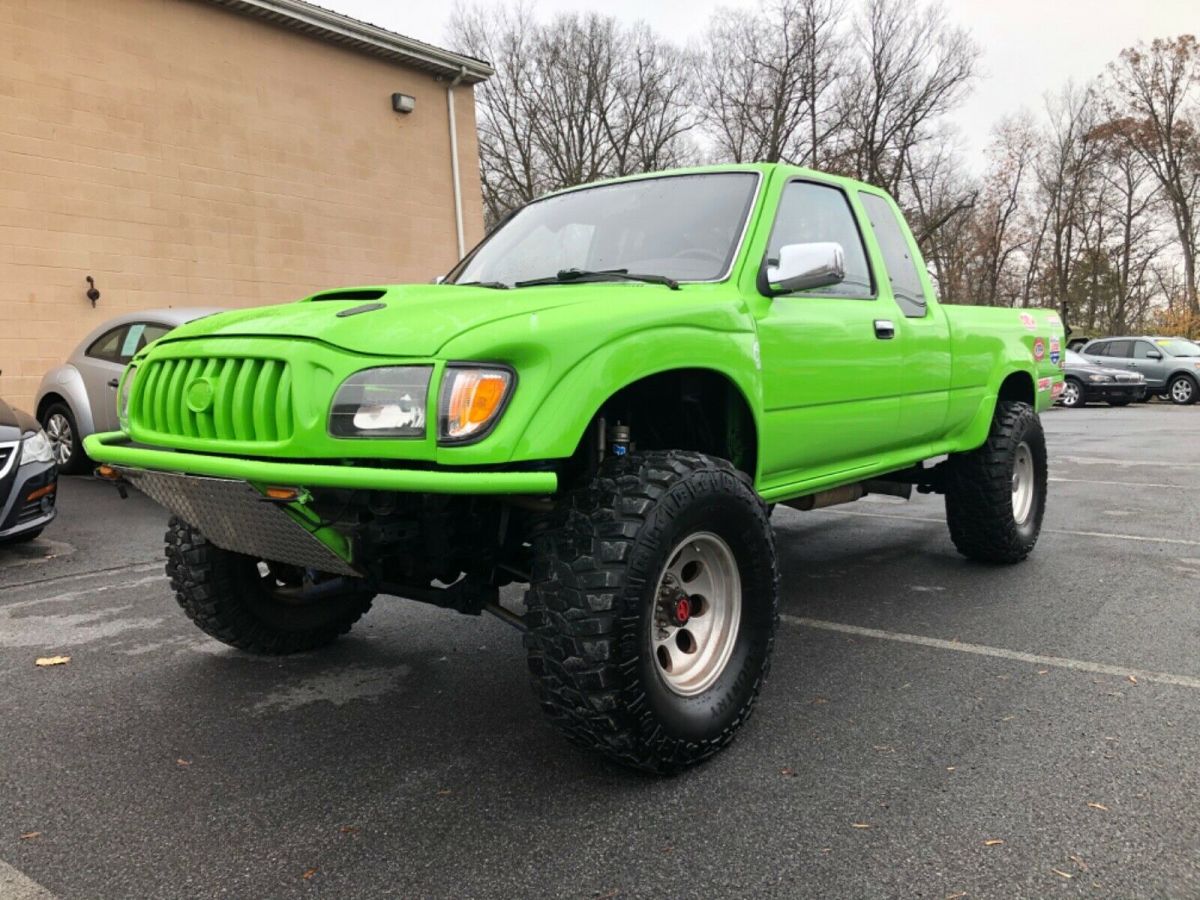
403 103
92 293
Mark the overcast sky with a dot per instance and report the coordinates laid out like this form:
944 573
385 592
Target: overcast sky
1029 46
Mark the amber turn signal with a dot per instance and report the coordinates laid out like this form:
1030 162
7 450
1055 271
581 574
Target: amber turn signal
471 400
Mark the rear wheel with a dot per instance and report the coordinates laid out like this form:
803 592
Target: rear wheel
996 495
1182 390
260 607
67 444
1072 394
653 608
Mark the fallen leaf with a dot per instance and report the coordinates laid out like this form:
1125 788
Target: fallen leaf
444 792
788 772
993 842
1043 671
859 825
951 768
1098 806
1066 875
826 849
1132 680
665 849
309 873
957 896
611 893
1079 862
1008 718
816 701
183 763
348 829
30 835
52 660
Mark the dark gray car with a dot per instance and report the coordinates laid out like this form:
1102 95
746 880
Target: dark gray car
1170 365
1085 381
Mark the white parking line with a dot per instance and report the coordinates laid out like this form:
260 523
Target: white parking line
1059 662
1067 531
80 576
1124 463
1140 484
15 886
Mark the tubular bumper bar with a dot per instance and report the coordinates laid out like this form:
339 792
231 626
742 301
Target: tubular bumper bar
112 447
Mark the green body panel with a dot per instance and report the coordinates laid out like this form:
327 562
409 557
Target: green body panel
831 403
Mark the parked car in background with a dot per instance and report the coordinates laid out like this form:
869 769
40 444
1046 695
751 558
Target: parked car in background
1086 381
28 477
1170 365
79 397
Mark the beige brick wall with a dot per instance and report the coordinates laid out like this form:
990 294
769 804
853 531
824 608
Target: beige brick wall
183 154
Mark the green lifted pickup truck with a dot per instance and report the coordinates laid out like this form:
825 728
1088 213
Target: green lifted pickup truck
603 400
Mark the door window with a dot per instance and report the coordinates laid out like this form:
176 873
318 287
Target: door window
901 266
812 213
108 346
139 335
1123 349
1100 349
1143 349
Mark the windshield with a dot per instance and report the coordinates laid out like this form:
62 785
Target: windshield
1074 359
685 227
1178 346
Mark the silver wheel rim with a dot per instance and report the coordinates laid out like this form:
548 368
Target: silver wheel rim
1022 483
1070 394
62 439
1181 390
701 579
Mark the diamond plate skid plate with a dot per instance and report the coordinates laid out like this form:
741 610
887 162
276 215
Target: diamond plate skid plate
234 516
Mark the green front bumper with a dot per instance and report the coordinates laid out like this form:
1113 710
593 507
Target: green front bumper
113 447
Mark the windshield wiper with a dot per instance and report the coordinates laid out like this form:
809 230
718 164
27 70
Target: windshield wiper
494 285
565 276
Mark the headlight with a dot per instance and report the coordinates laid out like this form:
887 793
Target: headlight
123 398
386 402
1100 378
471 401
36 449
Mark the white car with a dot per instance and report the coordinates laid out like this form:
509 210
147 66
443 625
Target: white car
79 397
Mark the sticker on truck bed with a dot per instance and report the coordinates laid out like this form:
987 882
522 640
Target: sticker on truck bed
1039 350
1053 319
1057 389
1028 321
1055 351
1044 384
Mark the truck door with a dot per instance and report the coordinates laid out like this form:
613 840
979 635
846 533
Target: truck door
829 368
922 329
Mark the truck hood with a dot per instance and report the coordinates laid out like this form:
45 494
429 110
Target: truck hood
400 320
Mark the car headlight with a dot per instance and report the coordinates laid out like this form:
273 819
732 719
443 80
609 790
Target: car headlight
36 449
387 402
123 398
1100 378
471 400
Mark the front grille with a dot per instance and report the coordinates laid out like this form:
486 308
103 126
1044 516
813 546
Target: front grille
245 399
30 511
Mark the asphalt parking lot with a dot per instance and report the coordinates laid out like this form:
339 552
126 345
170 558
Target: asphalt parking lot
932 727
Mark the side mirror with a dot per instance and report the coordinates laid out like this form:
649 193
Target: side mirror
1153 354
802 267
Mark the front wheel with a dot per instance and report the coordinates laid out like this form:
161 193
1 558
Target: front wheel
1072 394
1182 390
260 607
653 607
996 494
65 440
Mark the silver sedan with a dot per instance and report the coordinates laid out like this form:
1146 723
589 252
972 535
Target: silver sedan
79 397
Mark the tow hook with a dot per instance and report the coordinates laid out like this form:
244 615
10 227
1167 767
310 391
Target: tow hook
115 478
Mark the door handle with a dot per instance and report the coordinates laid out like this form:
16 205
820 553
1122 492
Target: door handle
885 329
114 383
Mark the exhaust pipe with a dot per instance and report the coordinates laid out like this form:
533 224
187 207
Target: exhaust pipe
849 493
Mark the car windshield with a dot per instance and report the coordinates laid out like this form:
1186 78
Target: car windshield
1178 346
1074 359
684 227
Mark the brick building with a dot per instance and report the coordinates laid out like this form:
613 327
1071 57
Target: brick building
216 152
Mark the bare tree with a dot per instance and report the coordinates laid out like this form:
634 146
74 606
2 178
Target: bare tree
573 100
767 81
1156 88
912 68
